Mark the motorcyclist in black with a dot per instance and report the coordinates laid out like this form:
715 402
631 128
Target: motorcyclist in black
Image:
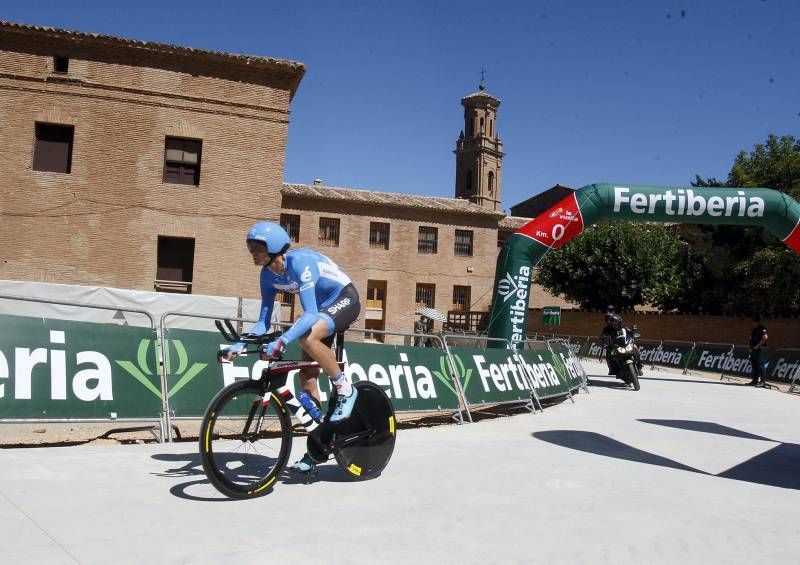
611 332
607 336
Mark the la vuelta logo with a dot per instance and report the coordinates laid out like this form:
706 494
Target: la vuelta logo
556 226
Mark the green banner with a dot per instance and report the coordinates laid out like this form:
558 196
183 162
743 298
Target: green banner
666 354
771 209
56 369
414 378
551 315
722 359
784 365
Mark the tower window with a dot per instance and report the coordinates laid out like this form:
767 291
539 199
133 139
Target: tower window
53 148
491 183
481 126
468 184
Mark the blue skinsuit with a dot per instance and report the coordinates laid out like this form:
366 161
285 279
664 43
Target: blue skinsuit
317 280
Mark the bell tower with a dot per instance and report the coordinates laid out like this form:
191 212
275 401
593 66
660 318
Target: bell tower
479 151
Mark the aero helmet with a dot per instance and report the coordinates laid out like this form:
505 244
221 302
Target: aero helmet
272 235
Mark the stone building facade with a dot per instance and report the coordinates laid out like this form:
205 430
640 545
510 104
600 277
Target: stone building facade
125 162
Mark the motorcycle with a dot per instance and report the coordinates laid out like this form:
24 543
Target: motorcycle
624 356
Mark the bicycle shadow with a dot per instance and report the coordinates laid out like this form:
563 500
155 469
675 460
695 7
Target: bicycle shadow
189 465
778 467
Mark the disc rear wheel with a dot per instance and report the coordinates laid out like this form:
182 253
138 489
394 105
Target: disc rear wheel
244 441
365 441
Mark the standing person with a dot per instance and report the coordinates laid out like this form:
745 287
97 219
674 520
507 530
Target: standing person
758 344
420 327
330 304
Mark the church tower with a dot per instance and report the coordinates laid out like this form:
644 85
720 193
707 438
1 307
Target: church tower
479 151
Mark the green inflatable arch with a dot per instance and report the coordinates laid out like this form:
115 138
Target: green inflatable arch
771 209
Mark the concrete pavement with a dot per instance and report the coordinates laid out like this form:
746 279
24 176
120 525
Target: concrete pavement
688 470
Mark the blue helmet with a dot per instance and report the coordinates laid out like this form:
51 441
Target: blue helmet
272 235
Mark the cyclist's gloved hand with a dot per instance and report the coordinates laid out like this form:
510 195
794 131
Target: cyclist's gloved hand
272 350
229 353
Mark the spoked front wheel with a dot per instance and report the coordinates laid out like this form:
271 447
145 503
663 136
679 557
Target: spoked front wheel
245 441
365 441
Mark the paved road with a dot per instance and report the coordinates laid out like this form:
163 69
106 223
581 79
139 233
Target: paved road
687 470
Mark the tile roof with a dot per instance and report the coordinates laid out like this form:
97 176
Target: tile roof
322 192
282 64
512 222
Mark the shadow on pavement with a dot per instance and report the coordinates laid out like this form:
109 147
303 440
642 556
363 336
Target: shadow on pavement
706 427
189 465
778 467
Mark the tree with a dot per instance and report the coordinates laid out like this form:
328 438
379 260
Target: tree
746 270
618 263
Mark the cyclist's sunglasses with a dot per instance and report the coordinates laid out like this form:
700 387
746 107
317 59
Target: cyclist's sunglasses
254 246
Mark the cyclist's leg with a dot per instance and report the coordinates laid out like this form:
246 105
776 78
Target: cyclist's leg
316 346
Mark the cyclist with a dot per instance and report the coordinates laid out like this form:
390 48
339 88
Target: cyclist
330 304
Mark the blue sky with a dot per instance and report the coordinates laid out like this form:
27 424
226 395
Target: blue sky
649 92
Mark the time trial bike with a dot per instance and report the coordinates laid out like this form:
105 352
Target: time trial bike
246 434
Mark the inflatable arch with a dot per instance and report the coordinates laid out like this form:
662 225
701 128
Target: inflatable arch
771 209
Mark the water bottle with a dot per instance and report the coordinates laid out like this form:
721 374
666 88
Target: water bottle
308 403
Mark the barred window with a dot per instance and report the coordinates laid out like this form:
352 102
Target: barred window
463 243
286 298
461 298
428 239
291 223
426 295
182 160
329 231
379 235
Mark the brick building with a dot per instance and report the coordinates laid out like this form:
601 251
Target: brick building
140 165
126 163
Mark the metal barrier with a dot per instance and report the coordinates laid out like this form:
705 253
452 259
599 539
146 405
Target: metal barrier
457 373
584 378
57 352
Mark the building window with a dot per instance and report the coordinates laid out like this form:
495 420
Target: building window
379 235
376 295
60 64
468 183
329 231
175 264
491 183
182 161
461 298
502 237
53 148
426 295
285 297
428 238
291 223
463 243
